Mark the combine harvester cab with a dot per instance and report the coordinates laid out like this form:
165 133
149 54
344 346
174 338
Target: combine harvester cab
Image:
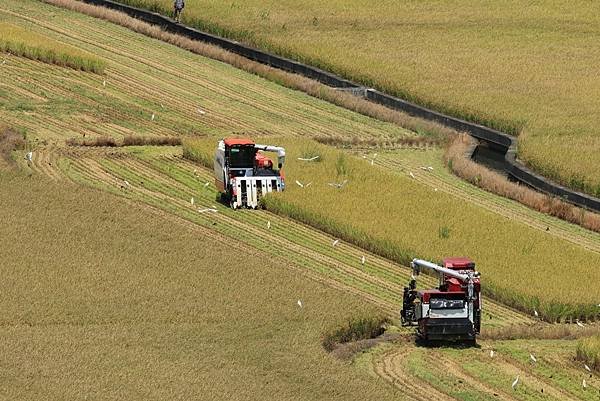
243 174
451 312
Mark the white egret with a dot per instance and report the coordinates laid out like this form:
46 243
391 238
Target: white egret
514 384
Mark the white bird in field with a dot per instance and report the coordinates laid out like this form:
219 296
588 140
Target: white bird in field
587 367
161 106
584 384
435 189
310 159
533 358
363 260
491 353
152 118
372 162
269 224
299 184
206 184
29 156
334 243
514 384
210 209
411 174
126 183
429 168
299 303
201 112
579 323
535 312
338 186
195 172
192 201
423 168
374 155
104 83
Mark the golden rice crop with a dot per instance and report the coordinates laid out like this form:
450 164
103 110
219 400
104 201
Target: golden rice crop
25 43
520 67
396 217
588 350
458 159
108 299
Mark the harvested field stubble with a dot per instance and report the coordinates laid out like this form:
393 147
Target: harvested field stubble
434 131
517 66
395 217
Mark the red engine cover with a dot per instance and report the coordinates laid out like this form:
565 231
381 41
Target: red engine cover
262 161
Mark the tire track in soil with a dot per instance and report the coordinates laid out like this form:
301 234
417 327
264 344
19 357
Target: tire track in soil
390 368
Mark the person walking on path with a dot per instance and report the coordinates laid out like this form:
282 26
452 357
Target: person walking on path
178 8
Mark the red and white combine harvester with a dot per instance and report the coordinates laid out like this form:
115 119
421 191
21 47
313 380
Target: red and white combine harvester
243 173
451 312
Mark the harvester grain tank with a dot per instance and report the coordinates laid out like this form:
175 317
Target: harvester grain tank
450 312
243 174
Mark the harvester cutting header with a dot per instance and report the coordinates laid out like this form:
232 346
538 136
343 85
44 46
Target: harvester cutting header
450 312
243 173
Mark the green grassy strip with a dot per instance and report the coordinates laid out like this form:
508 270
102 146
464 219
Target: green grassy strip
24 43
588 350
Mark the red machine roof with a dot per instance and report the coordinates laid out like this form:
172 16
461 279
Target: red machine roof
238 141
458 263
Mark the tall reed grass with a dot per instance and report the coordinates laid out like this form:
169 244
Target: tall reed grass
28 44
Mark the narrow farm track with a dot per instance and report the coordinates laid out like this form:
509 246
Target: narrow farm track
442 180
438 373
392 367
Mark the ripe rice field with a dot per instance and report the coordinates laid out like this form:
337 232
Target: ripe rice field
20 42
136 297
588 350
393 215
526 68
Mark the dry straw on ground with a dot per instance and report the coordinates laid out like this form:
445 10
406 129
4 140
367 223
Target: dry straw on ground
458 160
289 80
